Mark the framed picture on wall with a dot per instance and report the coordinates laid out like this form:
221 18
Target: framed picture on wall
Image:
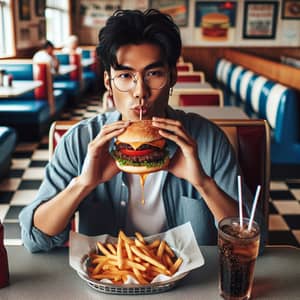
40 6
260 19
215 21
290 9
24 10
177 9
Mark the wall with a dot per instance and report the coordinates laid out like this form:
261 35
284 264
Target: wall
287 31
31 26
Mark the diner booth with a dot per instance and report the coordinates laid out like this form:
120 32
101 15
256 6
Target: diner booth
243 74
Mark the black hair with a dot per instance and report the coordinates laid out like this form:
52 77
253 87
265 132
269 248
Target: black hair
47 44
136 27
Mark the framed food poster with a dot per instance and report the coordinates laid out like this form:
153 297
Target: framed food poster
215 20
177 9
260 19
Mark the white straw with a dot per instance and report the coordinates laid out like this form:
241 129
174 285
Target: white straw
254 207
240 201
141 110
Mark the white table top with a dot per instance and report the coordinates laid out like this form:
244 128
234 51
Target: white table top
85 62
18 88
187 88
215 112
191 85
49 276
66 69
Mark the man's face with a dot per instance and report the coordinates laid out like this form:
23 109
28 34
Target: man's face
50 50
138 62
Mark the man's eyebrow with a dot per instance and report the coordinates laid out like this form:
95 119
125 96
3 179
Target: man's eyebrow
156 64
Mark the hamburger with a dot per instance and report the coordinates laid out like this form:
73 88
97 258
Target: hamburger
140 149
215 26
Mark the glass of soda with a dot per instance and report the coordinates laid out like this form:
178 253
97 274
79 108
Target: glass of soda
238 250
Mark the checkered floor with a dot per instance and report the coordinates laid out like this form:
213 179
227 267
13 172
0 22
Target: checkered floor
27 169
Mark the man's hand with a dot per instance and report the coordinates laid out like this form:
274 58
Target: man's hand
99 166
185 164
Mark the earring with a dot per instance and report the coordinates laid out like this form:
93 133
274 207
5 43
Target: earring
171 91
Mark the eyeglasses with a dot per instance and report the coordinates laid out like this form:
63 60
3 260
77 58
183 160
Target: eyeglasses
154 79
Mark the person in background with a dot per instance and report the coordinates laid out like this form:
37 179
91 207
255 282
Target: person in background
72 45
46 55
139 51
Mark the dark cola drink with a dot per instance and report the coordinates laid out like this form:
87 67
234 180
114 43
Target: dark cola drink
238 250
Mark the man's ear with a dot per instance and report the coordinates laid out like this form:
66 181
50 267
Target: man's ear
107 81
173 76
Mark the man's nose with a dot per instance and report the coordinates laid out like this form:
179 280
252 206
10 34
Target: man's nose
140 89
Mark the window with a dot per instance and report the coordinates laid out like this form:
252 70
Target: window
57 21
6 29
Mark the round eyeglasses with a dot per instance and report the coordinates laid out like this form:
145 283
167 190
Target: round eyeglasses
154 79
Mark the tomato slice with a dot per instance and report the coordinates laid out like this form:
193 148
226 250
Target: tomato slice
130 152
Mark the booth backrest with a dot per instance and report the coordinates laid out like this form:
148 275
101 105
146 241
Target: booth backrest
195 76
25 69
261 98
71 59
212 97
184 66
251 141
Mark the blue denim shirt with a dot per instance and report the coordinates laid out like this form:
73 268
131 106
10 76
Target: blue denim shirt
104 210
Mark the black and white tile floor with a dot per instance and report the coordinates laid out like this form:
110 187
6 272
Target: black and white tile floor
27 169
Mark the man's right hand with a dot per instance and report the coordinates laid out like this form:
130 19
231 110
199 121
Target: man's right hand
99 166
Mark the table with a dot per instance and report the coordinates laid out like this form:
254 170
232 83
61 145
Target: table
49 276
66 69
187 88
215 112
19 87
85 62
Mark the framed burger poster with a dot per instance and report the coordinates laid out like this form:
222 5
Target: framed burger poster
215 20
260 19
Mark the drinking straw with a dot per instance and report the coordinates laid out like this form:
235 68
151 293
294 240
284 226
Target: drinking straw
141 111
253 207
240 201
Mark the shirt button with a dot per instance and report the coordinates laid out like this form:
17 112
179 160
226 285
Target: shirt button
123 203
123 184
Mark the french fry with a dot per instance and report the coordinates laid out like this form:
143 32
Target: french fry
176 265
140 237
161 249
111 248
132 257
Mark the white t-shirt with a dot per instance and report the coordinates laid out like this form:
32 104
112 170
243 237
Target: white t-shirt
148 218
43 57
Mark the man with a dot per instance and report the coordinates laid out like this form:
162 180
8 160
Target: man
72 45
46 55
200 183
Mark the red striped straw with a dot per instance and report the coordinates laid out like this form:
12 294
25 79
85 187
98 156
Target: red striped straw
240 201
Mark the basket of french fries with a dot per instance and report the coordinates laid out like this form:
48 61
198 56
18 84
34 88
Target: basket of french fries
137 264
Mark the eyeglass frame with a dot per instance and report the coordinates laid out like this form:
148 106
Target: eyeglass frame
135 80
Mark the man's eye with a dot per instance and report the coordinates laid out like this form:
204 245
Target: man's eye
155 73
125 76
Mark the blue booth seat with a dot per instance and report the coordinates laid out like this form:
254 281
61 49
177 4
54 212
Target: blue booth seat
31 113
70 83
30 118
265 99
85 76
26 70
8 140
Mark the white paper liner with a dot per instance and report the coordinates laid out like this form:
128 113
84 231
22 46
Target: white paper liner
181 239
